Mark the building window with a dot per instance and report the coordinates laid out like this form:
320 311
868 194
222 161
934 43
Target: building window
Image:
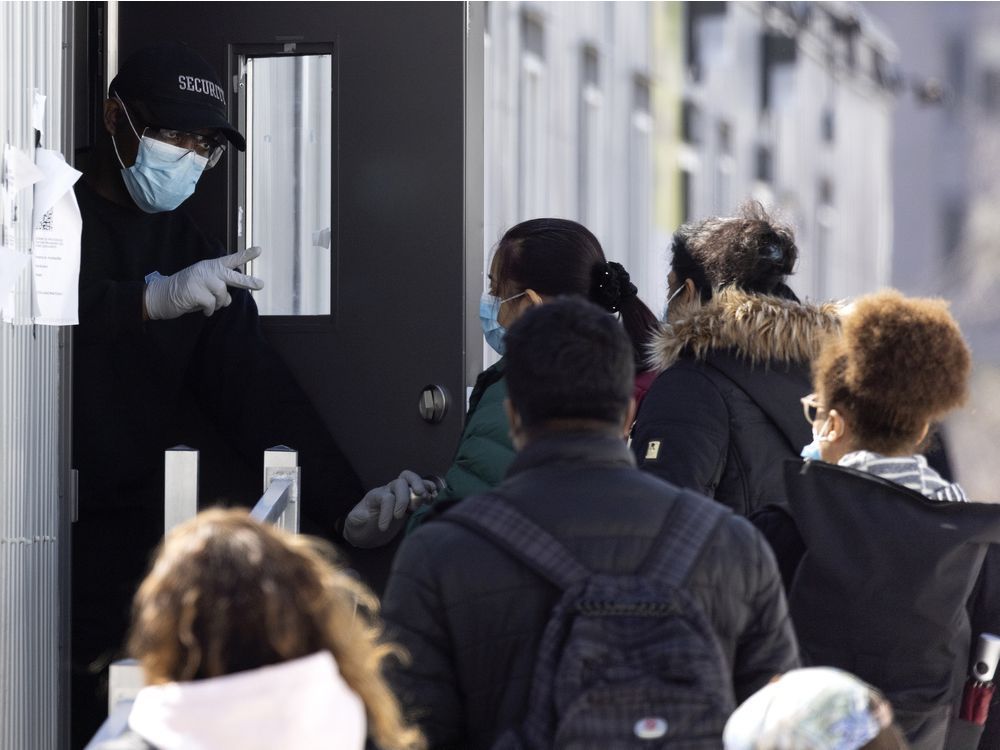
704 32
532 129
691 126
991 90
827 125
955 57
764 164
591 143
777 64
687 195
725 166
824 237
640 172
952 226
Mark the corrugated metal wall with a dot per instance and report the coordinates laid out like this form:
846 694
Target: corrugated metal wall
32 56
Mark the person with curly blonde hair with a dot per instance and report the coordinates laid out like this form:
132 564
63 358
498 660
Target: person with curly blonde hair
880 554
251 637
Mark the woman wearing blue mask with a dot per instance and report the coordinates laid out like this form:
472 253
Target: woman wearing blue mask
879 553
535 261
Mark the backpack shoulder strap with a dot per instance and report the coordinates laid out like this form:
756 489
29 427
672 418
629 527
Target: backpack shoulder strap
492 517
688 526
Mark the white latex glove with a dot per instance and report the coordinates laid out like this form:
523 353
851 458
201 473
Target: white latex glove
201 286
379 516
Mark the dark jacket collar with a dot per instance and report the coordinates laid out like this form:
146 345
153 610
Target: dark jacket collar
573 448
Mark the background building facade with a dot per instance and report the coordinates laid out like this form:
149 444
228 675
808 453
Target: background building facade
633 117
947 180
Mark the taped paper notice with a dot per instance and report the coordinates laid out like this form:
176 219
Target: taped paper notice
20 171
38 111
55 247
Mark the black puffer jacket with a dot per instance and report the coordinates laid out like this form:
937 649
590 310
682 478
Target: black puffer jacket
883 584
725 411
472 617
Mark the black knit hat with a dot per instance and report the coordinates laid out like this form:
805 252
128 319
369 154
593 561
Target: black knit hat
179 87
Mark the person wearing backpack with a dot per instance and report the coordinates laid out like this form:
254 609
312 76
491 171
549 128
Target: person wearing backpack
582 603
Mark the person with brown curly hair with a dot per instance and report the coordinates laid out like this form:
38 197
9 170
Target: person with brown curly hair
733 358
900 367
880 554
252 637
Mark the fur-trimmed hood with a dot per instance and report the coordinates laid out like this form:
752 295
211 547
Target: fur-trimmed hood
760 328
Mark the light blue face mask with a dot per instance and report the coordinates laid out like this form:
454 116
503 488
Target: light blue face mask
811 452
493 332
163 176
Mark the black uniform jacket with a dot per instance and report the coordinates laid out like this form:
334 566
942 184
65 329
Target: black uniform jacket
212 383
724 412
472 616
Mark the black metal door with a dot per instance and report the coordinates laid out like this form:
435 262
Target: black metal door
399 272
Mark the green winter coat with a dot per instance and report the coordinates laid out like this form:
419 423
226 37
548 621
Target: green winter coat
485 450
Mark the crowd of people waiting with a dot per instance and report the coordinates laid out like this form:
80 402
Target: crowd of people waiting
641 542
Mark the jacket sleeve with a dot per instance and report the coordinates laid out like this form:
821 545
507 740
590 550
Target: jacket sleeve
109 309
252 395
767 645
415 613
681 433
483 456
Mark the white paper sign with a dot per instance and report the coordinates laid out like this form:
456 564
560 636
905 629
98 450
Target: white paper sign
38 111
55 248
20 171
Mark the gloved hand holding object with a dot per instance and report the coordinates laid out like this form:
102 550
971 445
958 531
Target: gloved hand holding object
378 517
199 286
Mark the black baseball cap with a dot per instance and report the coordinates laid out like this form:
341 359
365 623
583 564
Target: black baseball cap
179 88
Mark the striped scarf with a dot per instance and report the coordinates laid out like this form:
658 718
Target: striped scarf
910 471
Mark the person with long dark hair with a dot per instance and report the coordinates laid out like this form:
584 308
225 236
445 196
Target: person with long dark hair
535 261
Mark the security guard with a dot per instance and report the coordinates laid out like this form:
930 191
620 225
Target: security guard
169 351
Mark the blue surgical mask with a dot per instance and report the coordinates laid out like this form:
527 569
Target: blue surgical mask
811 452
163 176
493 332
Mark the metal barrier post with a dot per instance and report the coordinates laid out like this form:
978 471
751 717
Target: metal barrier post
125 682
180 486
282 462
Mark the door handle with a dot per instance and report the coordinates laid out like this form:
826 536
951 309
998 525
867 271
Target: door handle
433 404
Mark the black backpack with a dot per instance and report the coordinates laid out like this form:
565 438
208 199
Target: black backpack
626 661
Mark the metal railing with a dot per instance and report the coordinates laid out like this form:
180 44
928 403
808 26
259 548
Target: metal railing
279 504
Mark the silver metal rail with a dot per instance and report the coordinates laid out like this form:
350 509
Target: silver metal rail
125 682
180 486
278 505
281 468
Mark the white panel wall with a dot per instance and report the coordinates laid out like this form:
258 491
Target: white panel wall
620 34
31 57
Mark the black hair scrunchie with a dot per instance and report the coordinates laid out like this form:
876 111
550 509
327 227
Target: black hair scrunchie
611 285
